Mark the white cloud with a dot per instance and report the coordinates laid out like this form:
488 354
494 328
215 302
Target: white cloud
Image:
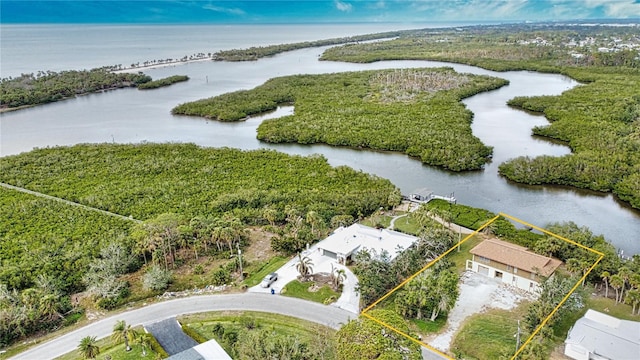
622 8
471 9
342 6
608 8
378 5
224 10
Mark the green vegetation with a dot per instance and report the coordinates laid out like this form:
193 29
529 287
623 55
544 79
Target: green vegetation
257 335
152 179
430 327
116 351
304 290
537 47
163 82
489 335
45 249
598 120
377 274
46 87
414 111
257 52
364 338
258 271
51 249
42 237
435 290
463 215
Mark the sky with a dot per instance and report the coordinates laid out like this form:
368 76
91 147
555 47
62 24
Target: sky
310 11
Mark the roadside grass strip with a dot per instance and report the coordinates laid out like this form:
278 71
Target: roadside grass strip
600 255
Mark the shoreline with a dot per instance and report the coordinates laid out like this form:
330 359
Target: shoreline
158 66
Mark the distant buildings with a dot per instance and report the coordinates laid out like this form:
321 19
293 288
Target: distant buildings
512 264
601 336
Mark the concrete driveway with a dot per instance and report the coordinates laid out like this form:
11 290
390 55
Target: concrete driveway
349 300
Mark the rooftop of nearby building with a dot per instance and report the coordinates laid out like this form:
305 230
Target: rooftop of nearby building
357 237
606 336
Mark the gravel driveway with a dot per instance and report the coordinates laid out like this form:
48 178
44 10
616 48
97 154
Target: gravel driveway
477 294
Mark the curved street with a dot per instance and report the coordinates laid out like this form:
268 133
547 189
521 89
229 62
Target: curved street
311 311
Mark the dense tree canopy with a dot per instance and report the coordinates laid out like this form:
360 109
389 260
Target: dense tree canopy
163 82
414 111
151 179
364 338
50 86
600 121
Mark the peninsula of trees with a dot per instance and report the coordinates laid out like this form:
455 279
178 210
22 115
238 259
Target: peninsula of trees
154 84
45 87
414 111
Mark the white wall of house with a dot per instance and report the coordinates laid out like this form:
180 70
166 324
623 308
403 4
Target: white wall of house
506 277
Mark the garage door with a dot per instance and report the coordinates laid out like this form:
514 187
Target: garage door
483 270
329 254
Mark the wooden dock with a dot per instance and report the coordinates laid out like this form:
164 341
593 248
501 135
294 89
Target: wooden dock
423 196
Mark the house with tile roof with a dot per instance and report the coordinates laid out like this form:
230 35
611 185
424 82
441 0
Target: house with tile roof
512 264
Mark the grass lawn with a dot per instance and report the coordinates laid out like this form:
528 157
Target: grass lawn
609 306
301 290
459 258
116 351
205 324
489 335
407 224
377 220
259 270
429 327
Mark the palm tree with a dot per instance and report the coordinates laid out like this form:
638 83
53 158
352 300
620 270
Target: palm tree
88 347
616 282
338 276
315 220
122 332
422 216
143 339
605 277
270 214
625 273
633 298
49 306
304 266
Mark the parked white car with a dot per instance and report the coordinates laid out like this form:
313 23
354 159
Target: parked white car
269 279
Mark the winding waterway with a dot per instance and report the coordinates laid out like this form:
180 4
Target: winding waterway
132 116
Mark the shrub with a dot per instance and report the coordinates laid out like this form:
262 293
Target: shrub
194 334
156 278
221 276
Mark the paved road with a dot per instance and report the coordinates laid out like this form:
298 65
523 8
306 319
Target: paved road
315 312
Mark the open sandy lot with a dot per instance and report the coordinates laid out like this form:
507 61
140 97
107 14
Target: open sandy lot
477 294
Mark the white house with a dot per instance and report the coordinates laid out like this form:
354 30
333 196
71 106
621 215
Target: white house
600 336
511 263
344 243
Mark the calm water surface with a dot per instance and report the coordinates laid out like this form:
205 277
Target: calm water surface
132 116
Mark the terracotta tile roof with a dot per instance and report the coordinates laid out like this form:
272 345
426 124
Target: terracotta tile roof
517 256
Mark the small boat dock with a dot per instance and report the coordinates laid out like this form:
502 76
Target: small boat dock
423 196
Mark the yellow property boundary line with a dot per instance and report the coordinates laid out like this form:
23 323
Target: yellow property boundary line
535 332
